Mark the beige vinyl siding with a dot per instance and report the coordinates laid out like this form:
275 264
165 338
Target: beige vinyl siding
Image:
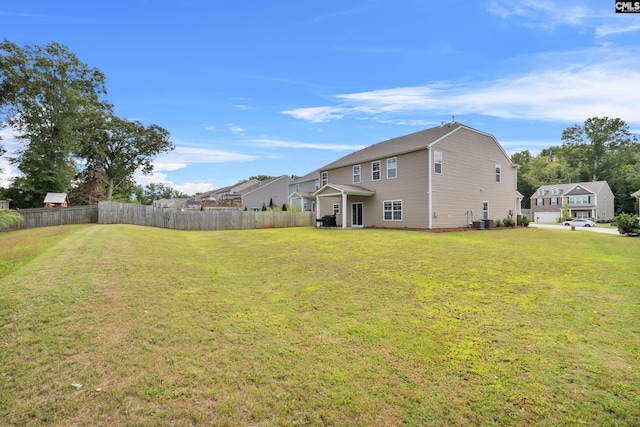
468 179
410 186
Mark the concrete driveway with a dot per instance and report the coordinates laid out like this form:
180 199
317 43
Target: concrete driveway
563 227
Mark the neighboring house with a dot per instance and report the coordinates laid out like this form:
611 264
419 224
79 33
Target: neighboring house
251 194
271 192
443 177
301 192
591 200
637 196
56 200
4 204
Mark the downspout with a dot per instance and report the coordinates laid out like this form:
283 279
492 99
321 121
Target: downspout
429 187
318 211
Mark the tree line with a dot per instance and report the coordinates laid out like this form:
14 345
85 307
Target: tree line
600 149
71 139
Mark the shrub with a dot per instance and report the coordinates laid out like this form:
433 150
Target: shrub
628 224
8 217
525 221
264 207
508 222
497 223
284 207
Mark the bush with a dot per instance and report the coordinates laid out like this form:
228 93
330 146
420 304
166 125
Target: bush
525 221
497 223
628 224
8 217
284 207
508 222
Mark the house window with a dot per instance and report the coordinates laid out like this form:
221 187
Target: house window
582 215
317 184
375 170
541 192
498 173
539 202
356 174
392 168
554 200
485 210
555 191
297 187
324 179
336 208
437 162
393 210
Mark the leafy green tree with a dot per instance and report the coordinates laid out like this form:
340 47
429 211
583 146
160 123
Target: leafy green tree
120 147
600 139
44 93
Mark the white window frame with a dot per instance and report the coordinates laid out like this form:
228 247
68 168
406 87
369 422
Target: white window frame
317 183
392 210
555 191
357 174
539 202
554 201
498 169
336 208
324 178
437 162
485 210
376 167
393 160
540 192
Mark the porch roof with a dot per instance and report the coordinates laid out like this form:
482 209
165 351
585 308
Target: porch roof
343 189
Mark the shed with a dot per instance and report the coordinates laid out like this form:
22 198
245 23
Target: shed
56 200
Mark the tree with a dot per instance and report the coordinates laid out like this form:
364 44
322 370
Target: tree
44 94
121 147
599 140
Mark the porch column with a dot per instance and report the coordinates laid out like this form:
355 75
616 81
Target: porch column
318 210
344 209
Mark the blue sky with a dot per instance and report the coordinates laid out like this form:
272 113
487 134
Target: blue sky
285 87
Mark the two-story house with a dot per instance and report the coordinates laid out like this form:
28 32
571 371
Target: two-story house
301 192
590 200
443 177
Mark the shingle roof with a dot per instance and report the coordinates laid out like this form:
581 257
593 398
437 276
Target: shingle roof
593 187
403 144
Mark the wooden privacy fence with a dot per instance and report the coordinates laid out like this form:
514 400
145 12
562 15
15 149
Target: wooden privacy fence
34 218
127 213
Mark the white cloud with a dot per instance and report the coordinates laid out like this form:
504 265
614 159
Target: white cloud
242 107
567 86
316 114
237 129
314 146
211 128
184 155
543 13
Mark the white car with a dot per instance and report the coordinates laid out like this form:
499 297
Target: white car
577 222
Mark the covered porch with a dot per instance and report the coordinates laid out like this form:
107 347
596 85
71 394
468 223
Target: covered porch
343 192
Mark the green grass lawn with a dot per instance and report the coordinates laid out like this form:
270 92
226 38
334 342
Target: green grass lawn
311 327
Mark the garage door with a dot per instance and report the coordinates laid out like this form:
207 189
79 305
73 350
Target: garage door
546 216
